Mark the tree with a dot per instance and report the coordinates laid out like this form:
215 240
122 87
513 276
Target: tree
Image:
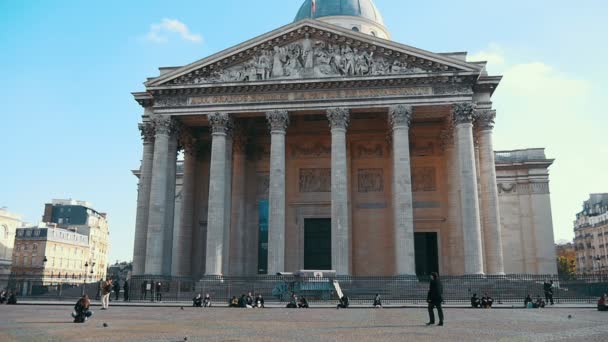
565 267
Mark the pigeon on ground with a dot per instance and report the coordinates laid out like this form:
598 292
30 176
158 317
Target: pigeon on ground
105 325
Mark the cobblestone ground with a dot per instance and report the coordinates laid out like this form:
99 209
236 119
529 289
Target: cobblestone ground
52 323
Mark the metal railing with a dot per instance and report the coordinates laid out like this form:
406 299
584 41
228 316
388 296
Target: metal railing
510 289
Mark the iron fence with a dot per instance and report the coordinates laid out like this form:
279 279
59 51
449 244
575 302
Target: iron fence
509 289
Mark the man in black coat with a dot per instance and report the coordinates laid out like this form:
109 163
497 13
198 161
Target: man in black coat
435 298
548 288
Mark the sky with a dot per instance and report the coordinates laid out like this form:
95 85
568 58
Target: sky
68 122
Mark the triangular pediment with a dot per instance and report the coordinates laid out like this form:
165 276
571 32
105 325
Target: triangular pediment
311 49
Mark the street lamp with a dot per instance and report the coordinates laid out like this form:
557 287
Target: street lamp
84 280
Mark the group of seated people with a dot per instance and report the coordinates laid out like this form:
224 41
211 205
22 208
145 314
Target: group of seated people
601 303
530 304
297 302
199 301
485 302
8 297
246 301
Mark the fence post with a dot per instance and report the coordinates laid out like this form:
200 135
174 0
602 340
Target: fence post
179 289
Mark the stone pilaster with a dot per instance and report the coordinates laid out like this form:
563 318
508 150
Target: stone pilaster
143 198
403 216
278 121
339 119
216 216
158 225
183 233
239 224
171 199
489 193
469 200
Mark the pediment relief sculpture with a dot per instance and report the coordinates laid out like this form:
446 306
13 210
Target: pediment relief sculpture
310 58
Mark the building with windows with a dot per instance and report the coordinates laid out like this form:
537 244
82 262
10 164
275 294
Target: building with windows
80 217
325 145
591 235
46 254
8 224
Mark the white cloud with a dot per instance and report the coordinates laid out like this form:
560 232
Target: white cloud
494 55
159 33
540 105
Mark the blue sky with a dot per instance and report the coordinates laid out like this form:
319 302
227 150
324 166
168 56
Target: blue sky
68 124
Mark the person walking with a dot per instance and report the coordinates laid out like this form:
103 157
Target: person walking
159 295
125 288
144 290
106 289
548 288
434 298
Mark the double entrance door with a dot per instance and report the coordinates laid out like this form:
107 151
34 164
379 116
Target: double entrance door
317 247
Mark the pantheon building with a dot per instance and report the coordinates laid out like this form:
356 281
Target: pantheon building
325 145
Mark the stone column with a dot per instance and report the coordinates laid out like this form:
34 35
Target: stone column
469 201
220 123
239 223
143 198
454 225
400 118
228 203
339 119
183 233
278 121
157 217
171 187
489 194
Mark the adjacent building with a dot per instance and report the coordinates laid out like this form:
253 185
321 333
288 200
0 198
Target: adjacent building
591 235
8 225
325 145
80 217
46 254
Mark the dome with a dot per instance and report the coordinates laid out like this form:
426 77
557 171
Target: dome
358 15
353 8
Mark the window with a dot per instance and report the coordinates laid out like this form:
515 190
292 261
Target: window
25 247
355 28
60 220
35 247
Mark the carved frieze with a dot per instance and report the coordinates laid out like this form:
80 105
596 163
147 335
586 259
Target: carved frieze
370 180
423 148
310 58
315 180
368 149
507 188
310 150
424 179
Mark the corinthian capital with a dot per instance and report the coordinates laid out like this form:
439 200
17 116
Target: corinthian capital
147 131
463 112
278 120
484 119
220 122
165 125
400 116
187 141
338 117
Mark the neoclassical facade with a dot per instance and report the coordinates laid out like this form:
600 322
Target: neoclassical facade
316 146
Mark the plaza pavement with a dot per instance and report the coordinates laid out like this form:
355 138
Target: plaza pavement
130 323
